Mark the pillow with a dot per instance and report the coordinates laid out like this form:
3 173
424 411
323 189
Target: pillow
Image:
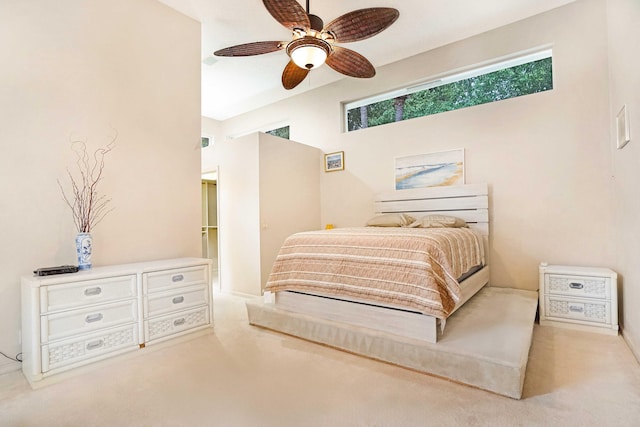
391 220
439 221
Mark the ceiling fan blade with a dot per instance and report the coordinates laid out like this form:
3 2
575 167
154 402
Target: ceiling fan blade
250 49
289 13
293 75
361 24
350 63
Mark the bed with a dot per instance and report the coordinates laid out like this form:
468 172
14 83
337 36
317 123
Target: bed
321 274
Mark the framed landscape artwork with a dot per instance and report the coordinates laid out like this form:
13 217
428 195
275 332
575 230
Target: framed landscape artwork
334 161
430 170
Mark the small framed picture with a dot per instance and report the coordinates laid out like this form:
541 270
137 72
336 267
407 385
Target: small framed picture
334 161
622 125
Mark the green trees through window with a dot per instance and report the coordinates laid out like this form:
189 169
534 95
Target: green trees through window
282 132
523 79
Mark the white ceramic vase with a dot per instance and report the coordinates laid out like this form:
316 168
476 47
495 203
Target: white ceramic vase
84 248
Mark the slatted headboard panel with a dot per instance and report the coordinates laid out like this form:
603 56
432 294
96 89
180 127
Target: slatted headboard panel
469 202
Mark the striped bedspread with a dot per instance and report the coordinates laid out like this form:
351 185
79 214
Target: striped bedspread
413 268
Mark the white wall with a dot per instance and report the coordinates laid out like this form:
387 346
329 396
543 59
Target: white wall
239 209
268 189
78 69
289 194
624 44
546 157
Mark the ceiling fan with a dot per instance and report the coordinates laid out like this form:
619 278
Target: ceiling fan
313 43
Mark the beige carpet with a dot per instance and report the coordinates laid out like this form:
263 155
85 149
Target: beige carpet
246 376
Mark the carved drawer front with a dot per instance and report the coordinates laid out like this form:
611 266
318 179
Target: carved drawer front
596 311
86 292
77 349
579 286
175 300
168 325
81 321
168 279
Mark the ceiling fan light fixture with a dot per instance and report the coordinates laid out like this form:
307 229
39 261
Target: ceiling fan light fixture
314 43
308 52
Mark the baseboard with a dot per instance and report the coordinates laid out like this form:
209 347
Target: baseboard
7 366
635 349
240 294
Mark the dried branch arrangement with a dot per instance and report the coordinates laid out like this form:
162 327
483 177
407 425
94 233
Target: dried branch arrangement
87 205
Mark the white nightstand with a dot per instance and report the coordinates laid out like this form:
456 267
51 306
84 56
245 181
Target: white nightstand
579 297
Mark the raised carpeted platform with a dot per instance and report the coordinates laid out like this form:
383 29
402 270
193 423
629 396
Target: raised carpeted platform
485 344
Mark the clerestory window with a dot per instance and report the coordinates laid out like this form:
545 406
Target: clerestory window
282 132
524 75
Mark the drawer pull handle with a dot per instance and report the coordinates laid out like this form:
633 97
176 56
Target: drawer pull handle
574 285
93 318
93 291
177 278
95 344
179 322
576 308
178 300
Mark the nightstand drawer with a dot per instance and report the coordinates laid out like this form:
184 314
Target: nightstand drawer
175 300
167 279
578 286
76 322
86 292
578 309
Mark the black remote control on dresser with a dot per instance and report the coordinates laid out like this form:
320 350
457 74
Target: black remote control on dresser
61 269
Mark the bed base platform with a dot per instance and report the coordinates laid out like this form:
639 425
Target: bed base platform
396 321
486 344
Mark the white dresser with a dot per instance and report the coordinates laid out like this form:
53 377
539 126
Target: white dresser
579 297
71 320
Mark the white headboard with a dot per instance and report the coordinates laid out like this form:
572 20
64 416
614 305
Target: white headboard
469 202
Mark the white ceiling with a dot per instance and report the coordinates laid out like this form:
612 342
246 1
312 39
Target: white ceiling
232 86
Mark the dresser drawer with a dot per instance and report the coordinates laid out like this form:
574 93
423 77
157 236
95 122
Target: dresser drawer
168 279
175 300
90 346
86 292
172 324
81 321
579 286
595 311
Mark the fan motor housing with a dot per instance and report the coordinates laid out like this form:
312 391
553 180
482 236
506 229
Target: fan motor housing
316 22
